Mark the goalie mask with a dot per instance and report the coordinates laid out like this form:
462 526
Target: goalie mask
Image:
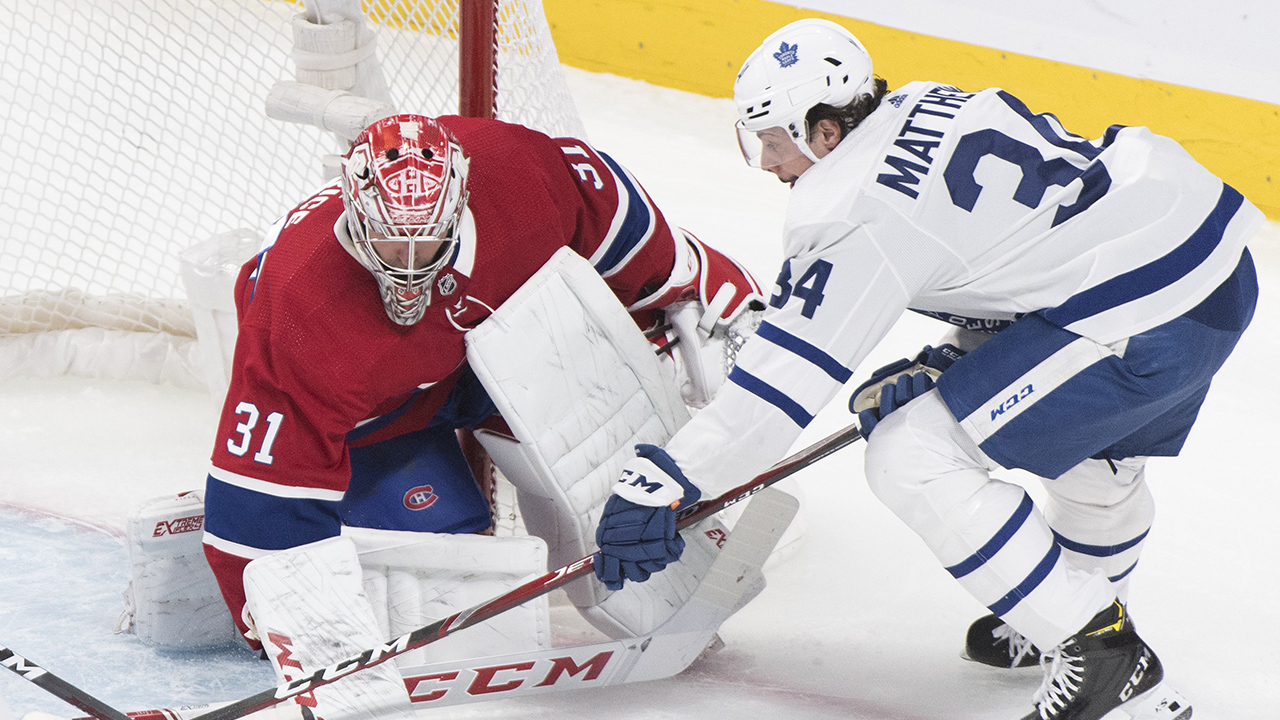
404 188
802 65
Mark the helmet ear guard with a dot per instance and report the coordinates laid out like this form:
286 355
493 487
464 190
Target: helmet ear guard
404 192
805 63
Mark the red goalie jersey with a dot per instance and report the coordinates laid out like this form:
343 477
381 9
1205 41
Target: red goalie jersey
335 414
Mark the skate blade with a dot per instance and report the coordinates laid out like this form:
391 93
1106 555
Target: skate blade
1034 664
1159 703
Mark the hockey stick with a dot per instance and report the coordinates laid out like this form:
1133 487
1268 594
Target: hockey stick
534 588
57 686
665 651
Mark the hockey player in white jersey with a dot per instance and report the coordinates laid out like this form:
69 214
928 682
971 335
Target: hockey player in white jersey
1113 281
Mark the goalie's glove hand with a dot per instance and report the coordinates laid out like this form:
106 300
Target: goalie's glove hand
637 532
898 383
703 361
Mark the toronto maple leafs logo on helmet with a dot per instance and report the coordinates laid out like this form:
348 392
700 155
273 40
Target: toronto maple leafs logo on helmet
787 54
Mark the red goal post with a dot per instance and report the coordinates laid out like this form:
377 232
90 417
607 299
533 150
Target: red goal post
136 129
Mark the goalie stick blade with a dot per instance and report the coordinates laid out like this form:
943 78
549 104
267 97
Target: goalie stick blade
667 651
58 687
534 588
735 570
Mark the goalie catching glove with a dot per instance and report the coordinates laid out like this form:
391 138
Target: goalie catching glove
898 383
637 532
713 306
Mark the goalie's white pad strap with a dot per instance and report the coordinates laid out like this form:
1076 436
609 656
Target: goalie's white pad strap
309 609
579 386
414 578
369 80
326 62
329 47
173 600
716 307
337 111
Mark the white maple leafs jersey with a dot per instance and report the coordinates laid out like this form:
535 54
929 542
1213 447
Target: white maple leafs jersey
970 207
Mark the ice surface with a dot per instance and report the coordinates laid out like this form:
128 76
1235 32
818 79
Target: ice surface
860 623
63 585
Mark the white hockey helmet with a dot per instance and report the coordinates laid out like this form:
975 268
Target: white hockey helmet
404 189
804 64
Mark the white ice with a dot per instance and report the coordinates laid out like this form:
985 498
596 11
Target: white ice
859 623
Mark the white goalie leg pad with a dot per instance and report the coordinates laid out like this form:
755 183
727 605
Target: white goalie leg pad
173 600
579 387
413 579
309 609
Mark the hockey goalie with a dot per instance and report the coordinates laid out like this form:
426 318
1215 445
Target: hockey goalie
460 273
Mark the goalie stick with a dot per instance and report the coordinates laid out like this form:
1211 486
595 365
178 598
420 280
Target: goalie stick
534 588
666 651
58 687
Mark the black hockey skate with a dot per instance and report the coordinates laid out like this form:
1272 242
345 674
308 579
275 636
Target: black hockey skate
992 642
1102 668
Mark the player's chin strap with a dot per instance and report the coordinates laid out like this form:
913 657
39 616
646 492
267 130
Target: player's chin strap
532 589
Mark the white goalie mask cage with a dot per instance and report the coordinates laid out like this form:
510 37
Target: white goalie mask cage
803 64
404 189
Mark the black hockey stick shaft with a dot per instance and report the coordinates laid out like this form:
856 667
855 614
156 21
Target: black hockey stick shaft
57 686
534 588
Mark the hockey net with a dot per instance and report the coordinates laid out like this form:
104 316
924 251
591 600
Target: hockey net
133 129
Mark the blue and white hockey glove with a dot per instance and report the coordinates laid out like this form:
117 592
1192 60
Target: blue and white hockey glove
898 383
637 532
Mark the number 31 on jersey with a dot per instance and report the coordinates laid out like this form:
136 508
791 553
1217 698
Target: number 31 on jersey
240 445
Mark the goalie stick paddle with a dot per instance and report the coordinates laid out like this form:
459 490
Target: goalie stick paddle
57 686
534 588
665 651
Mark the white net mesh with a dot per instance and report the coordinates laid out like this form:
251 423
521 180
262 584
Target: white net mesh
133 129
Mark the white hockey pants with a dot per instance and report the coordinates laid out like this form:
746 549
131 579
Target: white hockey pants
991 537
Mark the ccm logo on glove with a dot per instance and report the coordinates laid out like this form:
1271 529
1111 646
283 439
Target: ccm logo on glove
644 483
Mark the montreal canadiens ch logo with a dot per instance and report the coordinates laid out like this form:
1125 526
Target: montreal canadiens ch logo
420 498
